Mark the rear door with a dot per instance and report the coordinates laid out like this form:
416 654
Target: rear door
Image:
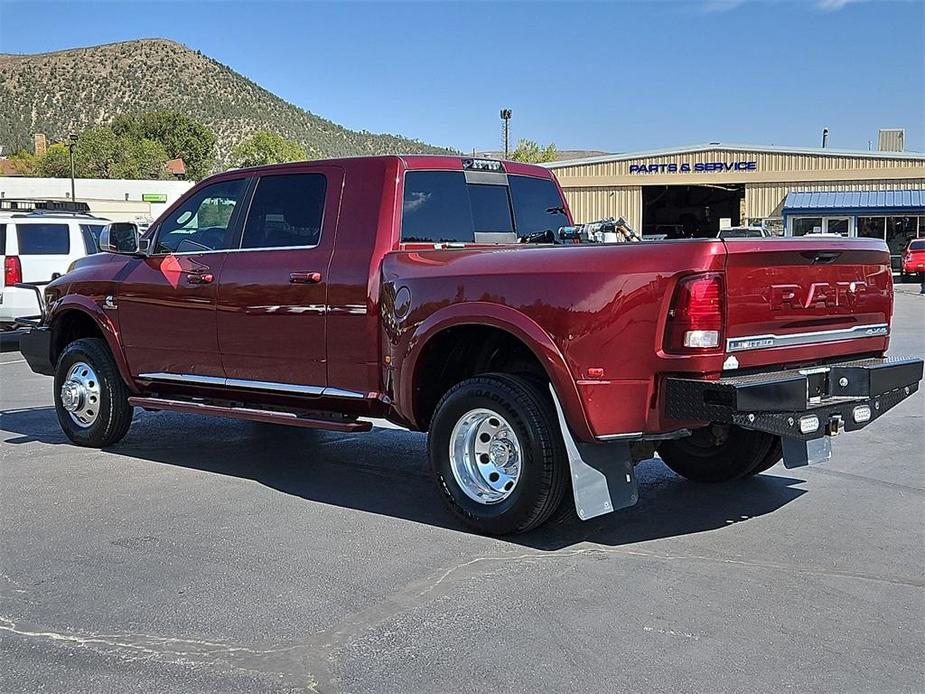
806 299
272 301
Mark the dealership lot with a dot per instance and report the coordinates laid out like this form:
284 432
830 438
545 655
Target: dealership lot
210 555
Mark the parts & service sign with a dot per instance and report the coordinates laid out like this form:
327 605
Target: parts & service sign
699 167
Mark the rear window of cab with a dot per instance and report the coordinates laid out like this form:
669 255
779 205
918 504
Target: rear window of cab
446 207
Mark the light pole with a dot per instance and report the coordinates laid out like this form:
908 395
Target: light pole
506 117
71 144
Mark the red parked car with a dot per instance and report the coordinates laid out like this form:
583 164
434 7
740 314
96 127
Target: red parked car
319 294
913 260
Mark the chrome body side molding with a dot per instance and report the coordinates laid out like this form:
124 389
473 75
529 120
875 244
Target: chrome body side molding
753 342
270 386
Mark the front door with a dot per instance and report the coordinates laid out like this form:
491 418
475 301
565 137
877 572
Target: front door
272 298
166 301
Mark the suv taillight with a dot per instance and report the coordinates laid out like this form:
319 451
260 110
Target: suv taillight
695 320
12 270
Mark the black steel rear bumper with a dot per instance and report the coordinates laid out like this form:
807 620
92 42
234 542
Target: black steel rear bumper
841 397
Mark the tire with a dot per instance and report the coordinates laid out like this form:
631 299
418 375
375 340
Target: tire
718 453
528 434
101 415
774 455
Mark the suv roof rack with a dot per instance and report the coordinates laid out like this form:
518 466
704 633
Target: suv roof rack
31 204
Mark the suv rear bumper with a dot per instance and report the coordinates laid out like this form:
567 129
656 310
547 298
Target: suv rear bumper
845 396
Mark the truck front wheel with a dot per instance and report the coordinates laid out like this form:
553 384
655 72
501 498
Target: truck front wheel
720 453
91 399
497 454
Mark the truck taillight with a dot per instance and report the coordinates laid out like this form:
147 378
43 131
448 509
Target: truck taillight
12 270
695 320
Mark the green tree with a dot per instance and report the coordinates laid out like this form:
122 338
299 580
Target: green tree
25 162
55 163
180 136
101 153
264 147
529 151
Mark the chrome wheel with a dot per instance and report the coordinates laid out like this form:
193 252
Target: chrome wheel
80 394
485 456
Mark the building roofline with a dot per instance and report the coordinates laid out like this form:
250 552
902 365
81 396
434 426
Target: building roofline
624 156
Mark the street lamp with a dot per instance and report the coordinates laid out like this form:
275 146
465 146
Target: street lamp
506 127
71 144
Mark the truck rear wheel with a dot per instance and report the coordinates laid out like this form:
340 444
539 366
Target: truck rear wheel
497 454
720 453
91 399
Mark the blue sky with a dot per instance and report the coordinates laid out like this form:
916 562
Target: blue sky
615 76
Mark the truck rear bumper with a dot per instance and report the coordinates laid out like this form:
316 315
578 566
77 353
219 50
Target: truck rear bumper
802 404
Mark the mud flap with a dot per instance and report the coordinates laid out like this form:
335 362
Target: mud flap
798 453
603 479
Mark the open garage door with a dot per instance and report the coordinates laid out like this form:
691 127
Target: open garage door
679 212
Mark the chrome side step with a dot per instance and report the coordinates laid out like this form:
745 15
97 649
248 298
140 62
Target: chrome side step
312 421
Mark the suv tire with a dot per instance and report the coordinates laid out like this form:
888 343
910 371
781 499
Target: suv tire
91 399
497 454
720 453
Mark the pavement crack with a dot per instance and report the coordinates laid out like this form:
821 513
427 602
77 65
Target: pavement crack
169 650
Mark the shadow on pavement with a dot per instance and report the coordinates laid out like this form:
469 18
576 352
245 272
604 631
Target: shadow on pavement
387 473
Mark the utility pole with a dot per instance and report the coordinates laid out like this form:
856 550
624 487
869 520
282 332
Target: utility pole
506 128
71 144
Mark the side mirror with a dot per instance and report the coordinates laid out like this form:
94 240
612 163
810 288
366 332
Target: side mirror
120 237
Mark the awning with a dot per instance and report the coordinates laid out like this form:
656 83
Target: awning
904 202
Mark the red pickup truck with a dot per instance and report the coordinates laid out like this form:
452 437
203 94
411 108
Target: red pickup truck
321 294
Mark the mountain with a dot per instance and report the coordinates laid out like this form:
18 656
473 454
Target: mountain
66 91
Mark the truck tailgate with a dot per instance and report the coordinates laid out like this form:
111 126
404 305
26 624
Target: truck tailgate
804 299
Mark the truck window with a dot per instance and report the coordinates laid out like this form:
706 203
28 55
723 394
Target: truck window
436 208
537 205
286 211
491 210
43 239
201 223
440 207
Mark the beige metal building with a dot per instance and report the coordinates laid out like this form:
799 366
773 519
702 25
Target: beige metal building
693 191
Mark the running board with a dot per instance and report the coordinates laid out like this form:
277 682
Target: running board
252 414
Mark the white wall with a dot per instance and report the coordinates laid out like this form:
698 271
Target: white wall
90 189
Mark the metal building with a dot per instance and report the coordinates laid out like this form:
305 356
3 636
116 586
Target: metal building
694 191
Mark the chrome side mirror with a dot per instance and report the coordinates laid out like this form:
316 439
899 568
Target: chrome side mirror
120 237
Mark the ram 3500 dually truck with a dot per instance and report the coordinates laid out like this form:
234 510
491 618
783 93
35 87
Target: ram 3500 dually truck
321 294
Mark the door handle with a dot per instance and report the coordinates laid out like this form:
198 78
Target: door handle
200 278
304 277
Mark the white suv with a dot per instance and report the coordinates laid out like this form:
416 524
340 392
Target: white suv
36 247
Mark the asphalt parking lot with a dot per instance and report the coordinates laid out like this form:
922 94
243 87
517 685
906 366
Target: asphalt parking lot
203 555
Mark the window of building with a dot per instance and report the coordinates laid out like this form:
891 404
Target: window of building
899 231
286 211
43 239
872 227
837 225
807 225
202 222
